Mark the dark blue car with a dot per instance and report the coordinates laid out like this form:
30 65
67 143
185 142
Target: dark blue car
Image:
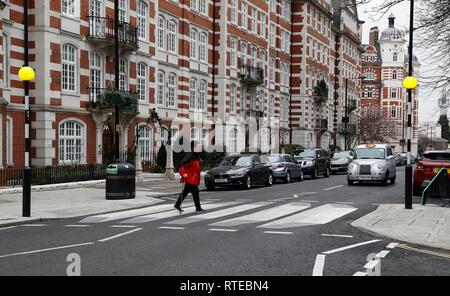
285 167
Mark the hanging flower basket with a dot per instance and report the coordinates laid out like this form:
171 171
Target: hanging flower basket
124 100
321 92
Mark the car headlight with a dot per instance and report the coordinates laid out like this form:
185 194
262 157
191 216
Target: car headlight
309 163
380 166
351 166
237 175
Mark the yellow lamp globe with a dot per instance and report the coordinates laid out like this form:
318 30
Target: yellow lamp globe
410 82
26 74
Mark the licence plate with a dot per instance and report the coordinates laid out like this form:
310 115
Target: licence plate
221 180
437 170
365 177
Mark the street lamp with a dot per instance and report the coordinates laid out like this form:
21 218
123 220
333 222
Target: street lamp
409 83
26 74
154 117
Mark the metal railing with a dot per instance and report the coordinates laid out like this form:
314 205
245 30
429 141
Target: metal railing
103 28
252 75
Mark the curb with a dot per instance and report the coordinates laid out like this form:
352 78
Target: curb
51 187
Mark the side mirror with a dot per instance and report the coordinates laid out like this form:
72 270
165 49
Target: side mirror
391 157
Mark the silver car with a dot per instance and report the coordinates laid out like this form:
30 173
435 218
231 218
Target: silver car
374 163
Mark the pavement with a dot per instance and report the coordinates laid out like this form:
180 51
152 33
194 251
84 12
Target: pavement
60 201
427 225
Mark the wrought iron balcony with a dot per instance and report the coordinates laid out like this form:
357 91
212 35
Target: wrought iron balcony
106 99
251 75
101 29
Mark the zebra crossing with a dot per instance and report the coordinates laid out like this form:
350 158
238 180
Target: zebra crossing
267 215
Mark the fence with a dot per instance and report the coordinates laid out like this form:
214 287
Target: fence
53 174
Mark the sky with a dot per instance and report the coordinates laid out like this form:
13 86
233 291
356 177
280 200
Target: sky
428 106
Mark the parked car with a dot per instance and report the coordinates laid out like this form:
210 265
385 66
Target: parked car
428 166
372 162
340 160
246 171
285 167
399 159
314 162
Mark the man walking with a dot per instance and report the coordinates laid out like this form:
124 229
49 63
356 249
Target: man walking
190 176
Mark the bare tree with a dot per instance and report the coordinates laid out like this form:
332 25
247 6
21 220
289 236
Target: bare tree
375 126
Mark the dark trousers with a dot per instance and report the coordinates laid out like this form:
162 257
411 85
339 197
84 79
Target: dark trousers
189 188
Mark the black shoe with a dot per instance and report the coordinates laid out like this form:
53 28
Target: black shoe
200 210
178 208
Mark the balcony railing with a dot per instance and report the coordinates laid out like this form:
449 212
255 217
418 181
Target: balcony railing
251 75
102 28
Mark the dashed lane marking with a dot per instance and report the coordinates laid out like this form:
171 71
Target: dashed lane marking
331 188
119 235
337 235
77 225
171 227
278 232
224 230
350 247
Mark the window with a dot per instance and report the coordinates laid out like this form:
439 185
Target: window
233 53
262 24
172 37
233 11
160 88
161 28
95 7
172 89
69 68
203 7
195 136
142 81
203 48
272 35
393 112
9 140
193 93
202 95
233 98
272 71
205 138
174 132
5 61
232 147
145 143
244 14
370 75
68 7
96 81
394 57
394 75
393 93
142 20
194 4
193 44
272 106
243 53
254 20
123 74
273 5
123 8
369 92
71 148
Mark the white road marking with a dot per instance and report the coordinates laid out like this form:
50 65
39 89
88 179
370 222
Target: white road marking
119 235
318 265
392 245
371 264
264 215
33 225
218 214
319 215
337 235
77 225
10 227
46 250
351 247
331 188
360 273
124 226
221 229
170 227
382 254
313 201
376 204
278 232
171 214
345 202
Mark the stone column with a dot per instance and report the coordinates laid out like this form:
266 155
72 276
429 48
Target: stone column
138 165
169 163
100 119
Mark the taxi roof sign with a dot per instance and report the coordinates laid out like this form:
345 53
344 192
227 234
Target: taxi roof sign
370 145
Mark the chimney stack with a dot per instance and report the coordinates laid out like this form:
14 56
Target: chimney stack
374 35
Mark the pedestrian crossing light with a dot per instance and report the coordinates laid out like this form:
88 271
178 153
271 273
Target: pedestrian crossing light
26 73
410 82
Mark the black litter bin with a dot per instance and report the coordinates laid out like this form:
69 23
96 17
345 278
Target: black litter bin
120 181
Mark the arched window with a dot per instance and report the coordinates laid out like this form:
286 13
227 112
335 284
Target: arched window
145 143
172 37
202 95
232 144
394 74
233 98
142 81
172 84
161 28
142 12
203 47
160 88
71 142
193 93
95 71
69 68
123 74
194 36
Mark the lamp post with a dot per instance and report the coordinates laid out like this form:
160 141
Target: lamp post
26 74
154 117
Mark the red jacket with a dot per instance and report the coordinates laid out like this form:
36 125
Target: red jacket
192 169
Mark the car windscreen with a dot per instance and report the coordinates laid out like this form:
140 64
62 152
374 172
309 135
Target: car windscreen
341 155
369 153
443 156
239 161
307 153
274 158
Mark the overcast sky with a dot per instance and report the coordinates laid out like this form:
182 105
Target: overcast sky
428 108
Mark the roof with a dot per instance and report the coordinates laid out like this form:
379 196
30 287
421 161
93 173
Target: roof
374 145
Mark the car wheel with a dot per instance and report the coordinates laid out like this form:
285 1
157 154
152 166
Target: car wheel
287 179
386 179
301 178
315 173
247 182
417 190
393 180
269 180
327 172
350 182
